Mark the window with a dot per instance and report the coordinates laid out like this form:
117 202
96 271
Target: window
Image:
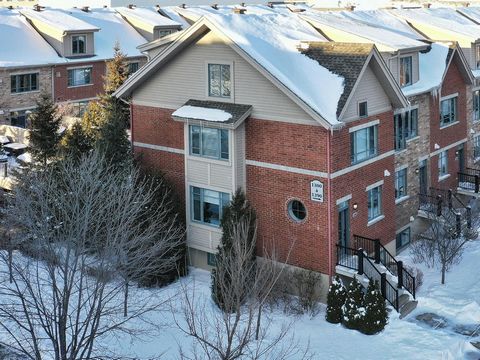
406 127
78 77
211 259
405 71
401 183
476 147
363 109
477 55
132 68
476 105
79 108
448 111
207 205
374 202
297 210
209 142
442 164
162 33
219 81
23 83
19 118
79 44
364 144
403 238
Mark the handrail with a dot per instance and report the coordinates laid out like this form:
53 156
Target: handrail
389 292
468 182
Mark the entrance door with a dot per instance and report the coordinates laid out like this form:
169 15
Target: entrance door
344 224
422 177
461 159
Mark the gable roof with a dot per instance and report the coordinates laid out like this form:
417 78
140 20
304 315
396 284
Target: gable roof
345 59
59 20
272 43
148 16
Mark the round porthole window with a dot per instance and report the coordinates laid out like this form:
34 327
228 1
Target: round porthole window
297 210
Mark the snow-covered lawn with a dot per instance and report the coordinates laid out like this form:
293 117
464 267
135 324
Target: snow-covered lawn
457 302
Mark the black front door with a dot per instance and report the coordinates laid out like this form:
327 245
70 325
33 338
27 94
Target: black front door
344 224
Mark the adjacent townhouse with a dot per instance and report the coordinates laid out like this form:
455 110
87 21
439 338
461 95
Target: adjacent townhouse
22 76
85 40
268 104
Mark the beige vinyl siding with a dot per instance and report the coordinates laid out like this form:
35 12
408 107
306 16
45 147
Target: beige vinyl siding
67 41
368 89
393 66
470 56
188 73
146 30
240 156
203 239
154 52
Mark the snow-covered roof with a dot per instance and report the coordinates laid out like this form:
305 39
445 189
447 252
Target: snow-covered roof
432 66
443 18
472 12
19 39
148 16
202 113
385 20
58 19
386 40
272 40
113 28
172 13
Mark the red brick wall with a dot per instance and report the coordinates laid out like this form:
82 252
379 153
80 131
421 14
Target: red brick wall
453 83
156 126
64 93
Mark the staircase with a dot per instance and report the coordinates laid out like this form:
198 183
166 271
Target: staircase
369 259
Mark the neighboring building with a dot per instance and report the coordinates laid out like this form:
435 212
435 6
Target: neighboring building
268 104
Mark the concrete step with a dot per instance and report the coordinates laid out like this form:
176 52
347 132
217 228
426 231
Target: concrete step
408 308
403 299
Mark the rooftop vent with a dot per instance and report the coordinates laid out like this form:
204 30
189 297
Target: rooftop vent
427 5
86 8
183 6
239 11
37 7
215 6
131 6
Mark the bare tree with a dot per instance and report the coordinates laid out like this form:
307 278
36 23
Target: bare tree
442 243
241 331
80 221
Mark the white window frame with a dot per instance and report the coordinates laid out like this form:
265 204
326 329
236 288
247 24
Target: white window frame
223 198
477 56
402 76
406 131
207 82
476 104
201 149
78 69
372 216
443 164
354 154
454 113
17 76
476 148
404 173
402 233
85 44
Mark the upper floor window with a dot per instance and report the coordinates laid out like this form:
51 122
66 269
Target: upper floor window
477 55
23 83
81 76
209 142
207 205
162 33
364 144
400 183
79 44
219 80
448 111
405 128
405 71
442 164
133 67
476 105
374 205
363 109
476 147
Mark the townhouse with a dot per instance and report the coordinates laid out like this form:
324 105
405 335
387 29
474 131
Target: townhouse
268 104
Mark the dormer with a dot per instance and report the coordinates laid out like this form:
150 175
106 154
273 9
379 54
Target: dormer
71 37
149 22
404 66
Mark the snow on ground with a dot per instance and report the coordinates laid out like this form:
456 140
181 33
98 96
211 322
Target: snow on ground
457 302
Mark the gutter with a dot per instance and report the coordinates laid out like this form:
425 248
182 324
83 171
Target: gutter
329 207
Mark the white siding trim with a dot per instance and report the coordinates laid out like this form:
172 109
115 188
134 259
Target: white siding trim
374 185
158 147
451 96
343 199
363 126
448 147
286 168
401 168
362 164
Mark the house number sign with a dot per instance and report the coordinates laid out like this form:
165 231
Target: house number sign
316 191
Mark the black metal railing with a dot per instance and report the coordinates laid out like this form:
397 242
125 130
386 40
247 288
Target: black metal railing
367 244
469 182
389 261
430 203
408 281
388 290
347 257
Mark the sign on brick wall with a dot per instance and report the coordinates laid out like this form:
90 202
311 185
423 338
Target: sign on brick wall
316 190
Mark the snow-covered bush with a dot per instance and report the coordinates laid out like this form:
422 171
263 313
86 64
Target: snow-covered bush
375 317
353 309
335 301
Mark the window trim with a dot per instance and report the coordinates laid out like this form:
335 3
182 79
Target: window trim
403 170
191 205
380 214
219 145
232 81
477 55
400 70
408 228
476 113
455 118
86 45
16 76
476 150
80 68
290 213
366 109
354 154
442 175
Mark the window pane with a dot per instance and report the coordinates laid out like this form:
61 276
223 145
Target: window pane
13 84
214 80
226 83
224 144
210 142
195 140
196 204
211 207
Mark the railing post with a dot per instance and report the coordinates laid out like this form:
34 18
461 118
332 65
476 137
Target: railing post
377 251
5 172
383 284
450 199
439 205
458 223
400 274
469 216
413 290
477 183
360 261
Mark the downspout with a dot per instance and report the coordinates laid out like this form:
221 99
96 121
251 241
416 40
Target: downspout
329 206
131 124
